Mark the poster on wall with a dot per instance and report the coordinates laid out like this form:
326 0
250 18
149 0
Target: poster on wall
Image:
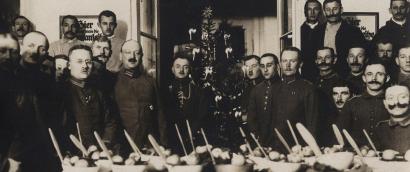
367 22
89 29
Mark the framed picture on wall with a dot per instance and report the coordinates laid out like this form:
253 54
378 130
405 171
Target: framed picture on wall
367 22
88 27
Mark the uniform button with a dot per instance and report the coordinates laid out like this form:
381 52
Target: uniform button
266 103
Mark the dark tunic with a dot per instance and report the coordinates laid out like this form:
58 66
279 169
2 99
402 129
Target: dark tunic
185 101
308 48
399 35
362 112
30 119
346 36
139 106
260 110
394 135
294 99
83 103
357 84
403 79
327 107
248 86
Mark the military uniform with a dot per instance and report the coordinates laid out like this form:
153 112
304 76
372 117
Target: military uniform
139 106
260 110
362 112
402 79
394 135
81 102
357 84
296 100
185 101
248 86
327 107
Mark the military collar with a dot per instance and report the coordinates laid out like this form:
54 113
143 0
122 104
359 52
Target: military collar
329 76
400 23
403 77
312 26
368 96
404 123
290 79
130 73
77 82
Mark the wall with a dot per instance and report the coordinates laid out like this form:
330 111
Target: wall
45 14
260 34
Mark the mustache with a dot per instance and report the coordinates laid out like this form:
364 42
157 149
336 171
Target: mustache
69 32
398 105
339 102
355 64
333 15
133 60
323 64
374 82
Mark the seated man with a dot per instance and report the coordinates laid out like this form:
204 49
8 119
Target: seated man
394 132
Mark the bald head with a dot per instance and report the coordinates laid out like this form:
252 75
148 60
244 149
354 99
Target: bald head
35 46
131 54
9 47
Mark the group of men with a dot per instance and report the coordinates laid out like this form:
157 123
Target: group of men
342 81
76 88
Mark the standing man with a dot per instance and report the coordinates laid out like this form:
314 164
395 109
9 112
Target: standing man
137 98
397 28
185 101
252 78
82 103
104 79
403 60
325 60
10 50
260 99
357 60
393 133
365 111
313 12
294 99
20 27
107 21
30 109
338 34
70 28
385 52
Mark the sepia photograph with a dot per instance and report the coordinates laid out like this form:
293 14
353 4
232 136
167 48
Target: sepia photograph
204 85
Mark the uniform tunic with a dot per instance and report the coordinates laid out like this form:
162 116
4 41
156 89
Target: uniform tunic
357 84
83 103
327 107
260 110
296 100
139 107
185 101
307 35
362 112
394 135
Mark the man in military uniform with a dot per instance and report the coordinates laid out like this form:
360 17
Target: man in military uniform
340 94
137 98
294 99
82 103
365 111
185 101
357 59
30 109
252 78
313 12
384 51
394 132
325 60
260 99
